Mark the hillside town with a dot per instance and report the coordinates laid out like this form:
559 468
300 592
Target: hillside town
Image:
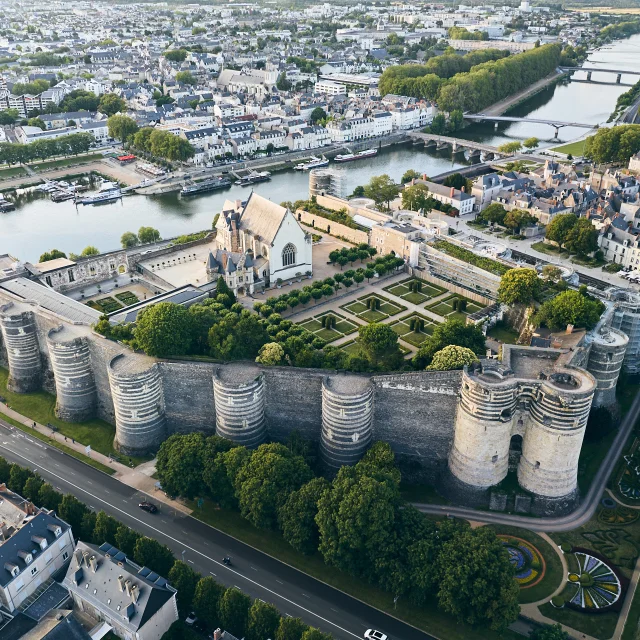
319 320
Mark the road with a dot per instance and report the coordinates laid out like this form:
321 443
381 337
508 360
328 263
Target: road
587 506
256 574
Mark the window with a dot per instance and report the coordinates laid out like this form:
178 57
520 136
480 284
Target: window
48 279
65 555
71 276
34 571
288 255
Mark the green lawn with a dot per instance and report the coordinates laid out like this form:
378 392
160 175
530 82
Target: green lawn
573 148
402 290
502 333
599 626
66 162
40 407
403 328
71 452
343 326
360 308
428 618
105 305
445 309
12 172
550 249
554 574
633 619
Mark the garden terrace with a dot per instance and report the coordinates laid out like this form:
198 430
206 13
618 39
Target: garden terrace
493 266
106 305
335 216
455 306
373 308
329 326
414 290
414 328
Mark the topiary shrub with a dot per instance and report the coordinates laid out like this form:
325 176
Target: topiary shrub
454 304
557 602
462 305
565 547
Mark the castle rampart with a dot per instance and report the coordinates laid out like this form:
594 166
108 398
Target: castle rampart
23 352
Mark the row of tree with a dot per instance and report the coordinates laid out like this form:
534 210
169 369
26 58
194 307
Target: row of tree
577 235
613 144
163 144
71 145
214 604
358 522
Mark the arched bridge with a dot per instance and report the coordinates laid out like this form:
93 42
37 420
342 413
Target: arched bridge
556 124
455 143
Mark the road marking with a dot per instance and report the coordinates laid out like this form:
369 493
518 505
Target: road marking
254 568
109 492
166 535
92 507
56 464
163 521
213 574
89 482
279 581
306 596
191 561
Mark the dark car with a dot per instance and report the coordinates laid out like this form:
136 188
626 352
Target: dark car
148 506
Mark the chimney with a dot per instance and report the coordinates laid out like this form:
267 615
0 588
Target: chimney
462 189
424 177
452 192
93 563
78 556
217 634
127 586
135 593
85 555
121 582
3 487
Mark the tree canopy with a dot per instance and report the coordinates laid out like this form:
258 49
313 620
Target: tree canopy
452 357
613 144
570 307
164 329
520 285
381 189
451 332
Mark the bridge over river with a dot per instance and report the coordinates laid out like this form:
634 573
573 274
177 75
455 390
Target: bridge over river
556 124
456 144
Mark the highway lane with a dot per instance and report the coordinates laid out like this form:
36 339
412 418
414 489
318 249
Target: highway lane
260 576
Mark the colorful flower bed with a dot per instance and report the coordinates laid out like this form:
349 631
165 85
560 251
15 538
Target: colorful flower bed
596 584
527 560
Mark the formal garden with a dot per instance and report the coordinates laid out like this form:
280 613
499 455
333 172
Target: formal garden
118 301
373 308
329 326
414 290
414 328
455 306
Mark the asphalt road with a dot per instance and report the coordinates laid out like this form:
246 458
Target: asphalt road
256 574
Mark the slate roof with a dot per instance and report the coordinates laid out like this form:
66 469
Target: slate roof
262 217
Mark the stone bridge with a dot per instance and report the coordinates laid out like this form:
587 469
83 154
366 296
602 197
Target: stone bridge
484 150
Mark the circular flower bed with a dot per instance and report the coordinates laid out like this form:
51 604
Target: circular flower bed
527 560
596 584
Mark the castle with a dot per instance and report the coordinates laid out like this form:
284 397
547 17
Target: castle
460 429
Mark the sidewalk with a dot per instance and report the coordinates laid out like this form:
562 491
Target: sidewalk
138 478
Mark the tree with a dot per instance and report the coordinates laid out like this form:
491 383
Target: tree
54 254
266 480
549 632
516 219
164 329
186 77
48 497
381 189
148 234
150 553
9 116
110 104
105 529
297 516
315 634
90 250
290 629
451 332
263 621
183 578
452 357
214 475
582 238
613 144
128 240
271 354
206 600
71 510
558 229
317 114
409 175
126 540
36 122
282 83
142 139
234 611
31 489
510 147
494 213
520 285
569 307
551 273
416 197
176 55
531 143
180 464
438 124
456 180
379 344
121 127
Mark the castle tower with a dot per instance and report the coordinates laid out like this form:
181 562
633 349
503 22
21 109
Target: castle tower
138 400
238 392
606 356
480 453
553 439
347 416
20 336
75 386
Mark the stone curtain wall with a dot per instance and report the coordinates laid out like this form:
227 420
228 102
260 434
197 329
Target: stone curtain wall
334 228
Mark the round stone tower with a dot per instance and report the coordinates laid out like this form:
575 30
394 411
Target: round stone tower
606 356
21 340
347 416
75 386
558 417
238 393
138 400
480 453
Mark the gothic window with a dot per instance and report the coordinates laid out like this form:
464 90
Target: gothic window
288 255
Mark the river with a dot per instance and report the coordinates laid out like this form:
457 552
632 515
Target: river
39 225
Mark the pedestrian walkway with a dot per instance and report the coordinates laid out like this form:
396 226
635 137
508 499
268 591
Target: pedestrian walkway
138 478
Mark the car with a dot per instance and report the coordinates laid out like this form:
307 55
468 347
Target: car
148 507
191 619
371 634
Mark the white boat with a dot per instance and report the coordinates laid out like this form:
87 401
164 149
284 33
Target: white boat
313 163
108 191
350 157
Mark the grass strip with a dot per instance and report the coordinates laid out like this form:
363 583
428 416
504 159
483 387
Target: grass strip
70 452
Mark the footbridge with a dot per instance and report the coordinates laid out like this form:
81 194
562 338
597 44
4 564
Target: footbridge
589 70
556 124
456 144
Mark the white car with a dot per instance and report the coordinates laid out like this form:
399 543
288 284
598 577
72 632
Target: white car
191 619
371 634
